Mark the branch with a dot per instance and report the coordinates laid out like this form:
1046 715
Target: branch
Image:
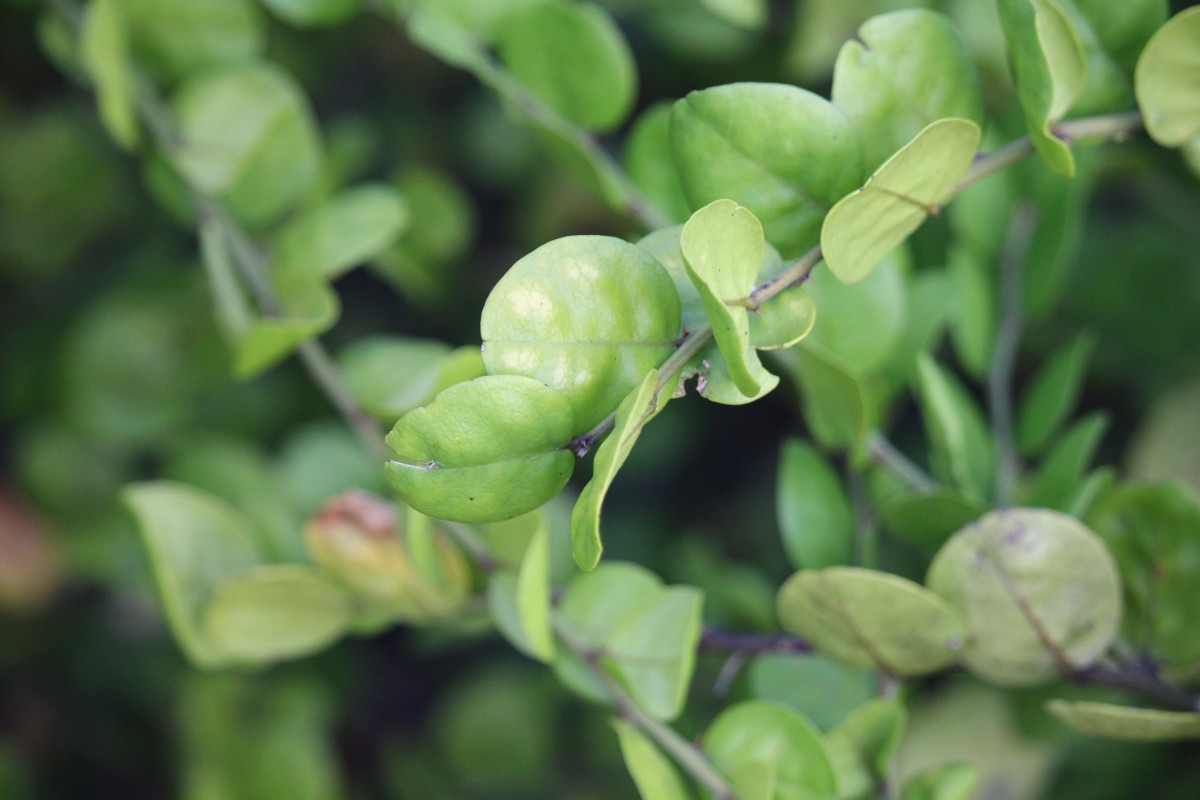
716 640
1146 685
881 451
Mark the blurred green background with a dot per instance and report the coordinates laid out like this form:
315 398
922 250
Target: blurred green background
112 370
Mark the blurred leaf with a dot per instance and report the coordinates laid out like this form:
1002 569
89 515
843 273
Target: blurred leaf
483 451
901 72
973 318
642 404
833 399
862 324
647 158
1161 447
263 165
815 518
1165 81
1033 586
342 232
869 223
789 679
1125 723
752 737
313 13
652 650
784 153
750 14
195 542
591 331
861 746
783 320
104 46
953 781
868 619
1124 28
1052 395
959 437
533 597
391 375
573 57
322 459
722 248
654 774
180 38
1049 68
928 519
1060 475
275 612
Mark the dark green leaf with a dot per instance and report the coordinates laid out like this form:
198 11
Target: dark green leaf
929 519
815 517
1053 393
1060 475
180 38
960 439
314 13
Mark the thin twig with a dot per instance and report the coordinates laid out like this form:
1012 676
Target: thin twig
717 640
881 451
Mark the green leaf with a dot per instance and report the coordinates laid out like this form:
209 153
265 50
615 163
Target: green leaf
1124 28
782 152
861 746
870 222
1152 530
929 519
195 542
783 320
484 450
1060 475
722 246
533 597
1126 724
833 398
275 612
787 678
594 604
264 164
652 651
572 57
1034 586
588 316
180 38
903 71
749 14
757 736
959 436
1166 81
392 375
973 317
862 324
1053 393
870 619
953 781
654 774
448 40
307 309
1049 68
314 13
815 517
342 232
647 159
635 411
104 50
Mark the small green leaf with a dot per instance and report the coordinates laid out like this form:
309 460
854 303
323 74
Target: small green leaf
647 159
594 604
1053 393
833 398
484 450
784 153
815 517
783 320
973 318
1167 81
758 736
573 57
533 597
749 14
448 40
861 746
960 438
722 246
870 222
1126 724
314 13
392 375
586 315
903 71
307 309
1060 475
1034 587
180 38
929 519
953 781
104 49
862 324
652 651
634 412
870 619
261 166
195 542
342 232
276 612
654 774
1049 68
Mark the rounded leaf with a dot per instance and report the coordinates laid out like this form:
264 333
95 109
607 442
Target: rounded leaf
1125 723
782 152
586 315
275 612
777 741
1167 80
484 450
865 619
1035 587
